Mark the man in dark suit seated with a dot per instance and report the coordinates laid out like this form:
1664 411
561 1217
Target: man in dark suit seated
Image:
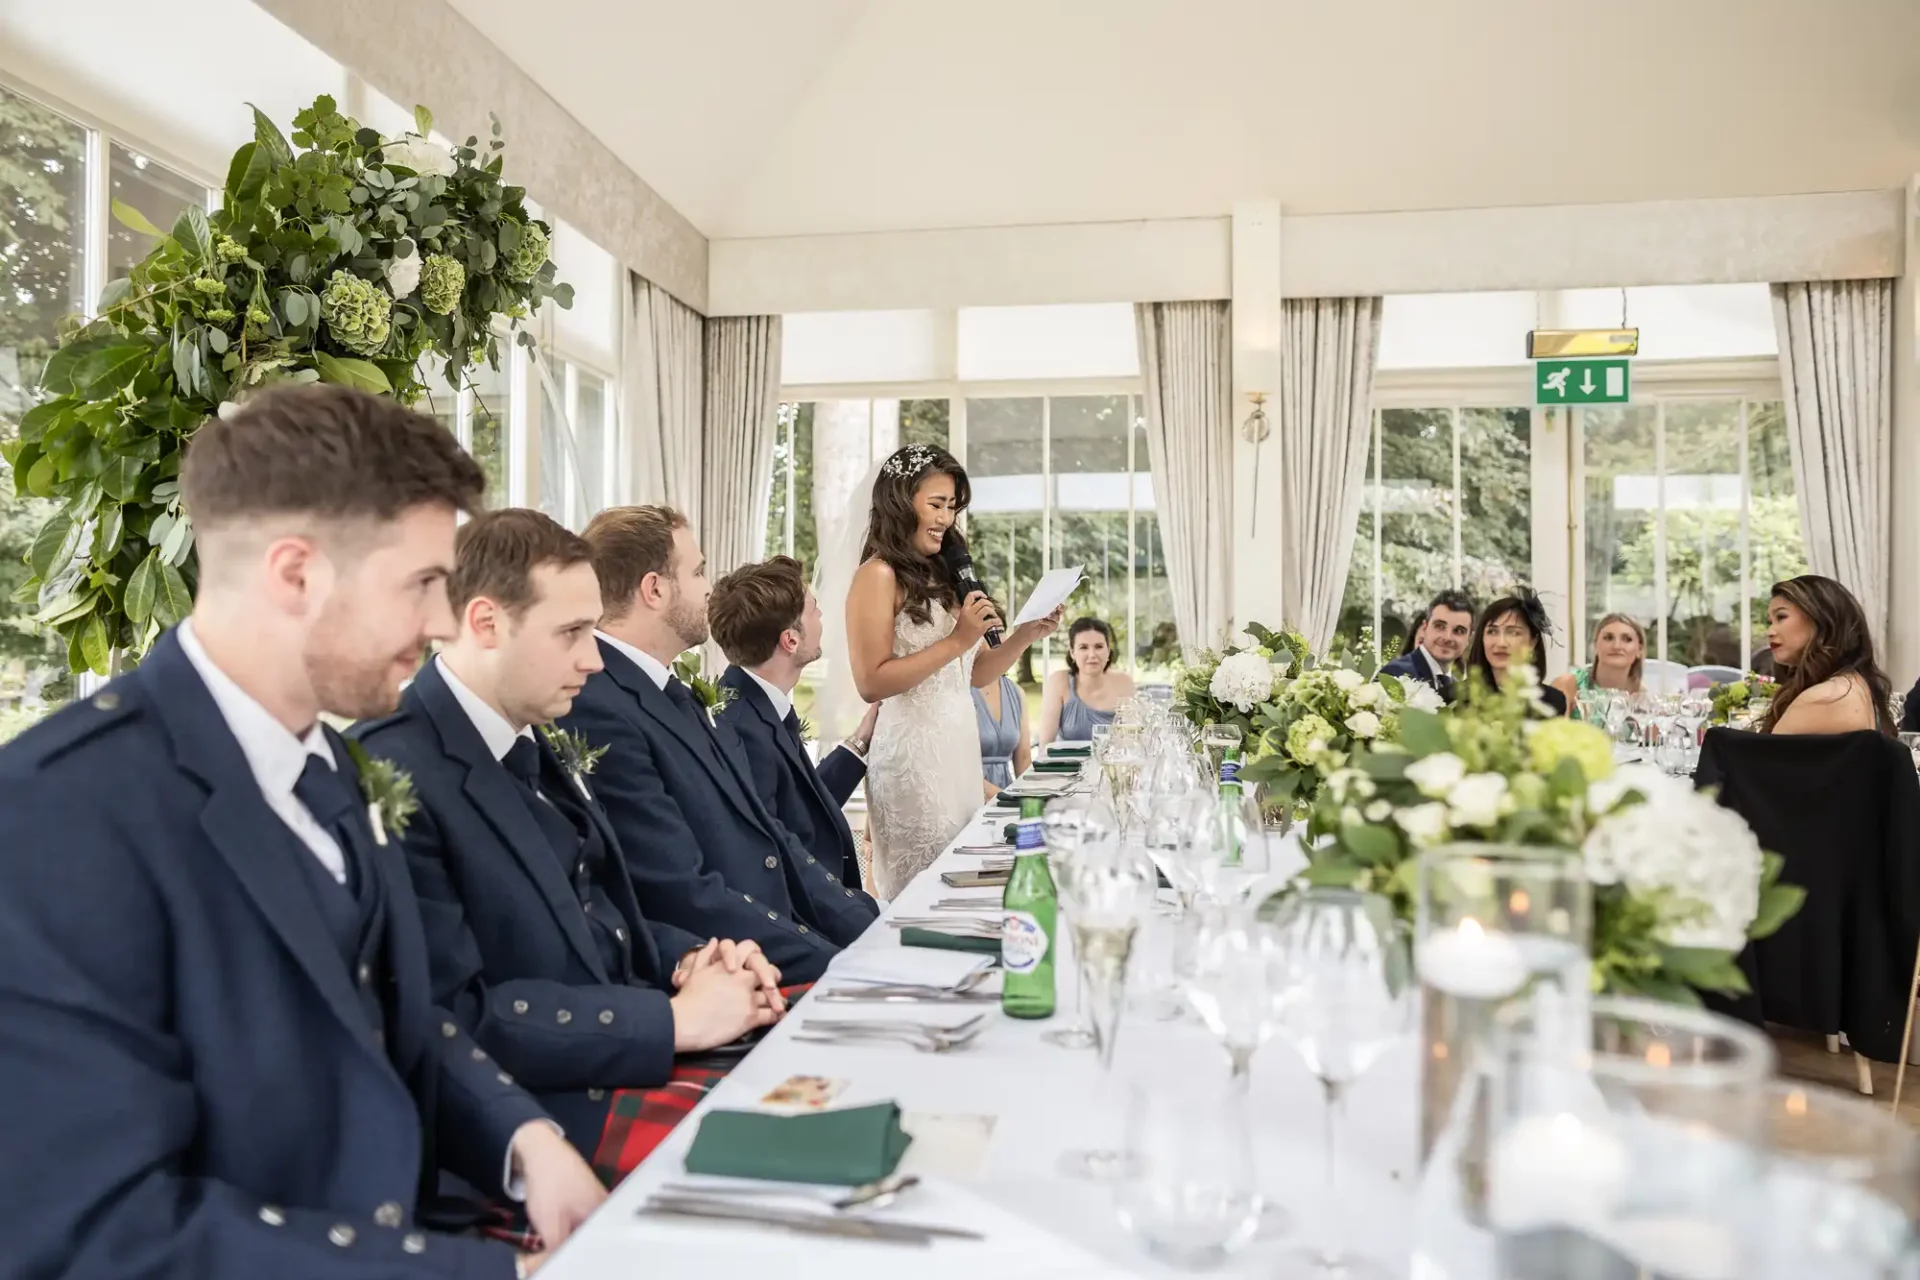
1439 643
223 1058
768 624
705 852
536 940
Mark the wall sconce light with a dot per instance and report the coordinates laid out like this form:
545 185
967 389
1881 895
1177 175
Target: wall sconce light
1254 431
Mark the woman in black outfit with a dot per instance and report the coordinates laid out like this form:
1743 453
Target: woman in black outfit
1513 633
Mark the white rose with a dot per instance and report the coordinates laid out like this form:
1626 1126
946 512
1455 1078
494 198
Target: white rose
1363 724
1435 775
1423 823
1379 811
403 274
1369 695
418 154
1348 680
1422 696
1475 800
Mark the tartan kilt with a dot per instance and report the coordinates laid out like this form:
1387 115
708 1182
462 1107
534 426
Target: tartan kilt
638 1120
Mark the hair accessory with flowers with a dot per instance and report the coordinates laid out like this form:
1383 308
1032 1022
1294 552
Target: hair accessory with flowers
388 790
909 462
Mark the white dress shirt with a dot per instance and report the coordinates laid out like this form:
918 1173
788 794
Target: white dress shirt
782 700
656 670
1435 667
494 729
273 753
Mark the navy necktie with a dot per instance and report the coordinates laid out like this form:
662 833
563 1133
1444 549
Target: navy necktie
792 722
684 699
523 762
334 801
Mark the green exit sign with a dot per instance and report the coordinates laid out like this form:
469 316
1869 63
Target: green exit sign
1581 382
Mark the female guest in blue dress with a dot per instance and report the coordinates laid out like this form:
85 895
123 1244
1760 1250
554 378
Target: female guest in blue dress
1001 710
1088 691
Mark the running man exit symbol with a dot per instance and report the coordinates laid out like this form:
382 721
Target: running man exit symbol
1581 382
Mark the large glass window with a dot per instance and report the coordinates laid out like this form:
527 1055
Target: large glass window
161 196
43 234
487 406
576 442
1006 526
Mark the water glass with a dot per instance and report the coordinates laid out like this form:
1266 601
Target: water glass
1343 981
1067 824
1628 1141
1101 732
1193 1198
1843 1186
1231 984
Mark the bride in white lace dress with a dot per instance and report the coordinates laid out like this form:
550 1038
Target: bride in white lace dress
916 650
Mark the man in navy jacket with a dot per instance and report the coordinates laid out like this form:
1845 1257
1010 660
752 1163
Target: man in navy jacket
223 1059
768 624
1438 645
705 852
537 942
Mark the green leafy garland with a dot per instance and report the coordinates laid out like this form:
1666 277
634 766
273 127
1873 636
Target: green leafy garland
348 260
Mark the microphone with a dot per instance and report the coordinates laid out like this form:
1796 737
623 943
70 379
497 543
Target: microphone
959 562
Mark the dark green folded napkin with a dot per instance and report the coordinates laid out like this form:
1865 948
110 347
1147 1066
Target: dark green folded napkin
847 1147
911 937
1007 834
1077 753
1057 766
1006 801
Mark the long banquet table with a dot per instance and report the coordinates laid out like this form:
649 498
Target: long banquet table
1044 1101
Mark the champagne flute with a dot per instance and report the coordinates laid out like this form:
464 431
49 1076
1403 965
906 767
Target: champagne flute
1108 891
1343 978
1067 824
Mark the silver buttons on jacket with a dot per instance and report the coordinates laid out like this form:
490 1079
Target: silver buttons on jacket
448 1030
413 1242
389 1214
772 862
563 1017
273 1215
342 1234
606 1017
519 1006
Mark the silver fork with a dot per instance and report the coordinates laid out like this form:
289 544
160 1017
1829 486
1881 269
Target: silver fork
926 1042
893 1024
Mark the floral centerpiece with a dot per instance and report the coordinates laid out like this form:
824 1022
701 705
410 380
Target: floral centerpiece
1226 686
1679 883
1316 721
1730 701
340 256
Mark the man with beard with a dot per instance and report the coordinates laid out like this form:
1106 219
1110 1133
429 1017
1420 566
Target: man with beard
705 852
768 624
1443 640
223 1059
537 942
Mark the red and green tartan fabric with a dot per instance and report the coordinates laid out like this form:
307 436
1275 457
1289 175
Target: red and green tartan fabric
638 1120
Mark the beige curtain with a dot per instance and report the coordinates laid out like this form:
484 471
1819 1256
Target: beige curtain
743 401
1836 360
1328 347
665 397
1186 361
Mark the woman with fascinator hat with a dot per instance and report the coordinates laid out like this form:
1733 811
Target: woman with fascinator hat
916 647
1513 634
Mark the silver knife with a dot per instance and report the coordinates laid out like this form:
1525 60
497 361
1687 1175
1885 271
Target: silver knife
871 996
807 1222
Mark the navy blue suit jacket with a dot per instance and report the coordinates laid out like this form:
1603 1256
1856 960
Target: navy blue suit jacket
705 853
512 953
190 1085
807 799
1410 666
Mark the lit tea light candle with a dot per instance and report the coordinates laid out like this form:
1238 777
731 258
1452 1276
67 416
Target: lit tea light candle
1555 1170
1471 963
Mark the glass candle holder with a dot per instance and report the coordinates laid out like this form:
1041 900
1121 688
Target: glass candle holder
1628 1142
1843 1186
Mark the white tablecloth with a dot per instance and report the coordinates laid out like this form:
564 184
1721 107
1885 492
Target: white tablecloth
1046 1101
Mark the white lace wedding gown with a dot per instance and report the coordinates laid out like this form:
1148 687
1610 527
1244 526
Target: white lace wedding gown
923 766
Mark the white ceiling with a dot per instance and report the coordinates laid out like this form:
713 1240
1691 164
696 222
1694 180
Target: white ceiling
778 117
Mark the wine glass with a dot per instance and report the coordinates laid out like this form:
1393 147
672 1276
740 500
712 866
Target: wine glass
1067 824
1107 892
1230 985
1193 1198
1343 977
1101 732
1218 739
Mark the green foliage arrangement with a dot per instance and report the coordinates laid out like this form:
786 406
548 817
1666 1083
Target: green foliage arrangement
340 256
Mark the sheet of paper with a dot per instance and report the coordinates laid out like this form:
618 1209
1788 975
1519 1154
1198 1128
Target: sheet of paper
915 965
1049 594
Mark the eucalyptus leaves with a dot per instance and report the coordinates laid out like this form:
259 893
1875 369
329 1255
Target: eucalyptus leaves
348 260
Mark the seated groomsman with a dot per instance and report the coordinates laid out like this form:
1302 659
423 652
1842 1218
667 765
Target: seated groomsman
768 624
537 943
1438 644
222 1056
705 852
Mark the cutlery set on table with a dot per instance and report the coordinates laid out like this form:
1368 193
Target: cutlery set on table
804 1210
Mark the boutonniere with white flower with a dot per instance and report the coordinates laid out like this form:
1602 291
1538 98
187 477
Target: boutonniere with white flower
708 693
388 790
577 755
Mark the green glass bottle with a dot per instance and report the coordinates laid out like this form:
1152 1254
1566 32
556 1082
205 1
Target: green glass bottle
1232 821
1030 913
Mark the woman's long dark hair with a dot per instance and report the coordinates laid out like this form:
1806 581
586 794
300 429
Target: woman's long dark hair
1407 642
1089 624
1525 605
894 525
1842 644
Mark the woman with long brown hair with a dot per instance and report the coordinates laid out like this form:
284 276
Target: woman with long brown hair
915 647
1823 653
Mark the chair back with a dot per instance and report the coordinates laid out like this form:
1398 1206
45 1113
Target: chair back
1709 676
1658 676
1843 812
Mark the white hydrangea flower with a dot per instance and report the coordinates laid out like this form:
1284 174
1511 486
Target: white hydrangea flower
1379 811
403 274
418 154
1243 681
1369 696
1423 823
1363 724
1422 696
1347 680
1679 848
1345 784
1435 775
1477 799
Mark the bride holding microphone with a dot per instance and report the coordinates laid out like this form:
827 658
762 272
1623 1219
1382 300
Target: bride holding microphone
917 644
